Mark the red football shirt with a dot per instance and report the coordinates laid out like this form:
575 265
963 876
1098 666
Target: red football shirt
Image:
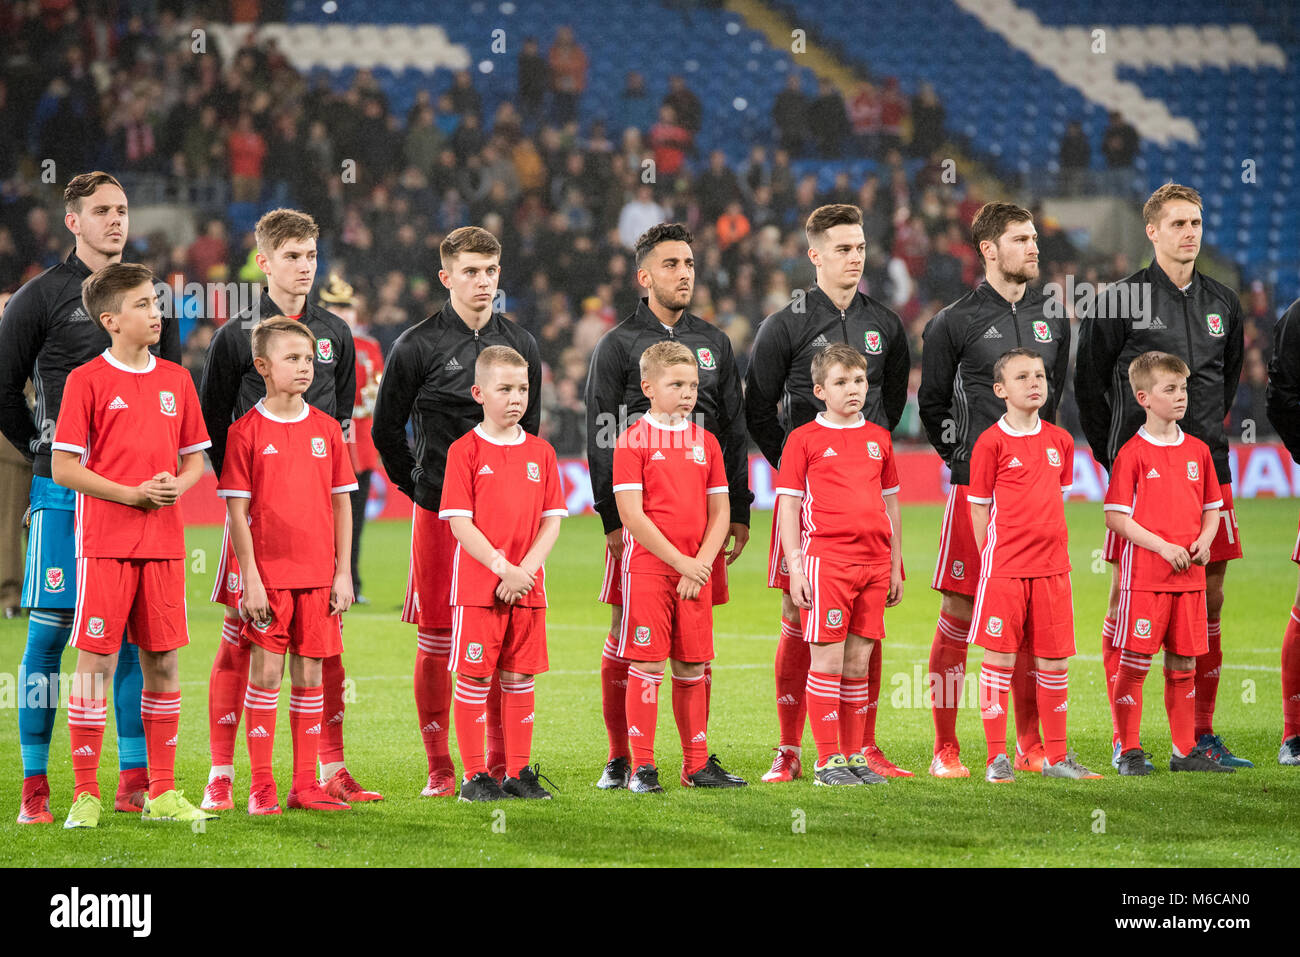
128 425
1165 488
290 469
507 488
1022 475
842 474
676 468
370 365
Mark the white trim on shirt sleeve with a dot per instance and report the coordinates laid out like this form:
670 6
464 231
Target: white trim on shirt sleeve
1117 508
556 512
455 513
206 444
717 490
792 492
894 491
344 488
979 501
1218 504
69 447
629 487
233 493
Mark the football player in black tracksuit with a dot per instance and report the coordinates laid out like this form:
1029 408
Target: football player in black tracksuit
957 404
229 388
666 270
1284 413
1169 307
779 398
45 334
427 379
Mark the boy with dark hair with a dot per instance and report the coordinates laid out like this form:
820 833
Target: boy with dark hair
671 491
503 499
286 483
1021 468
126 420
837 500
1163 501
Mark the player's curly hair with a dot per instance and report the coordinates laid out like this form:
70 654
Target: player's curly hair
661 233
105 289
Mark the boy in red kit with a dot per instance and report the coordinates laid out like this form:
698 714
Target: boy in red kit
671 490
286 480
837 494
126 420
1163 501
1020 469
503 499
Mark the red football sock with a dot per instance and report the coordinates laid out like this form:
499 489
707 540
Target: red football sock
873 698
948 675
1024 698
433 695
161 713
642 713
496 735
331 729
613 697
995 692
86 719
516 701
226 688
1127 705
691 711
792 661
305 713
1208 667
1110 662
855 697
1180 702
471 709
1053 707
259 728
1291 676
822 693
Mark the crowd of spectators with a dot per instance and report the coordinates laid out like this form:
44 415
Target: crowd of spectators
567 196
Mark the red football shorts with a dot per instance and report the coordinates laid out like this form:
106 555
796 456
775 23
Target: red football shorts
499 636
611 589
658 624
428 585
846 600
146 596
1025 614
1175 620
229 587
301 624
1225 547
958 567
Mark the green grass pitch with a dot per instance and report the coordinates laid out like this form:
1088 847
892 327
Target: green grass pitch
1246 819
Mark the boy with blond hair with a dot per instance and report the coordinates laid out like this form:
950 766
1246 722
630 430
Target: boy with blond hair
503 499
671 490
1163 502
